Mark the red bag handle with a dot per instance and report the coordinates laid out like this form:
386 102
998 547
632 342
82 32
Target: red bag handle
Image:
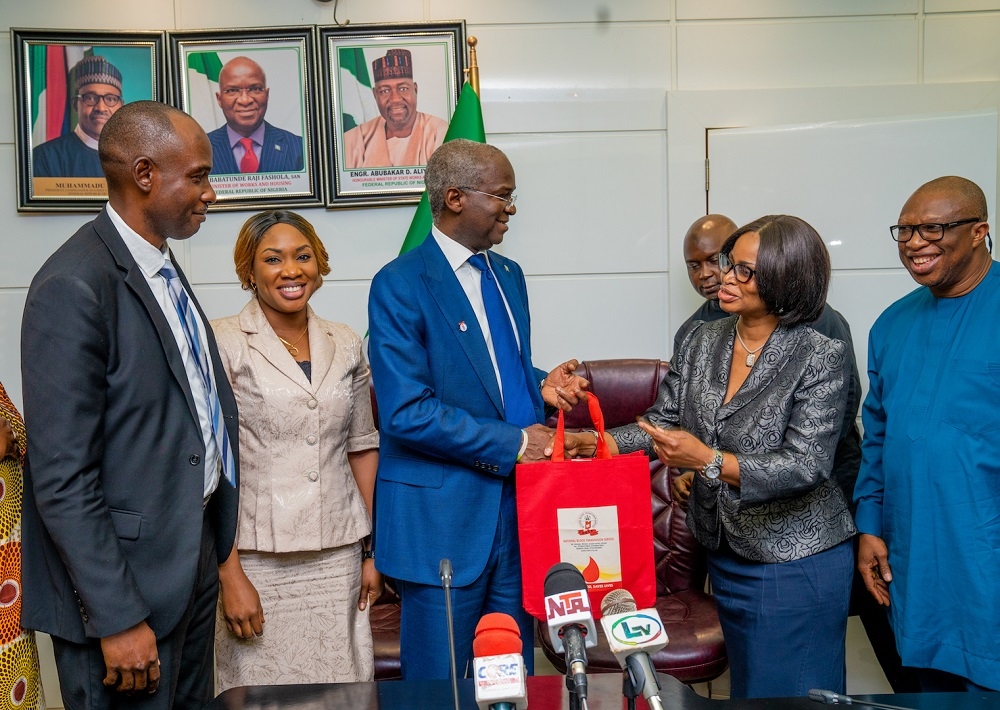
559 444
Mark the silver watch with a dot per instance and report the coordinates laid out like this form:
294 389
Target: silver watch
713 469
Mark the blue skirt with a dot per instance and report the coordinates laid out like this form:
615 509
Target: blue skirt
785 624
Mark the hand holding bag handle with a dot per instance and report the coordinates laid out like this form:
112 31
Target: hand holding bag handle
559 443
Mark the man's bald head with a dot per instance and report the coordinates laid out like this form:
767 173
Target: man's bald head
702 243
965 193
141 128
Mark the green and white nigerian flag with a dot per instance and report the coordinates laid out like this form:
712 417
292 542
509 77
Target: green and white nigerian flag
203 85
357 102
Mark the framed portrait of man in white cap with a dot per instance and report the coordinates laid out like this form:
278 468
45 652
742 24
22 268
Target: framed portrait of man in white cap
390 94
68 84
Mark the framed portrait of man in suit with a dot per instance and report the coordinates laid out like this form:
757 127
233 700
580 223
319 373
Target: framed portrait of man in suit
253 91
390 92
67 85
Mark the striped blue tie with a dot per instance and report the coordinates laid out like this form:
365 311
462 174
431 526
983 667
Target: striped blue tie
518 408
183 306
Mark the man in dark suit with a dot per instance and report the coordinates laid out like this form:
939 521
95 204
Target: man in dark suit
459 404
130 495
248 143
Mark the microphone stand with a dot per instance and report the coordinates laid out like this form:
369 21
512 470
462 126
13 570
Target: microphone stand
628 688
445 571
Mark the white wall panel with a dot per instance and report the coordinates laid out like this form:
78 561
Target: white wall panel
625 56
789 54
588 203
847 179
962 48
11 308
598 317
555 110
108 15
6 90
198 14
516 12
960 5
731 9
27 240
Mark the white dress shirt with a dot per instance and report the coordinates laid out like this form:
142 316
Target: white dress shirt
150 260
471 279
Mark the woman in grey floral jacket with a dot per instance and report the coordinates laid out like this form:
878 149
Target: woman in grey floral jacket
752 409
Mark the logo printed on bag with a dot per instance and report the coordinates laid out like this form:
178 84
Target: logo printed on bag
588 524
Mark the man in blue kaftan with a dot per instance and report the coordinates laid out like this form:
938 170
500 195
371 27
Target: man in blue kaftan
928 492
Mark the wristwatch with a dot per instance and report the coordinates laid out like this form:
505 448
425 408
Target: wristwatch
368 555
713 469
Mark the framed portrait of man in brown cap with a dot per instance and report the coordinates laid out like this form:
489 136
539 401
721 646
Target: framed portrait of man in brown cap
391 92
68 84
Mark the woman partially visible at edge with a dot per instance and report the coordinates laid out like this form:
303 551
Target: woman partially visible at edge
20 684
752 408
308 457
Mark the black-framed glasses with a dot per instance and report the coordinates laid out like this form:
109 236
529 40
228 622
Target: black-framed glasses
110 100
255 91
743 272
930 232
508 201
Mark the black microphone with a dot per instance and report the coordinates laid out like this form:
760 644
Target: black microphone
444 569
570 622
830 698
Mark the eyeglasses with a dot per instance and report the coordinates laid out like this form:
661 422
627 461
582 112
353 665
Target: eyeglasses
743 272
928 232
255 91
508 201
110 100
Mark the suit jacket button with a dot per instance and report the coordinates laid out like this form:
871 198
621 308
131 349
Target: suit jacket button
194 460
312 404
313 476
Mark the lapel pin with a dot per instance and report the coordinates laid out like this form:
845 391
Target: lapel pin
462 326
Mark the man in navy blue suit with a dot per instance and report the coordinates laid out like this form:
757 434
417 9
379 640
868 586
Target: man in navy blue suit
459 404
248 143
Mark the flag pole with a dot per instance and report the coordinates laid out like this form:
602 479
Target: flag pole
472 73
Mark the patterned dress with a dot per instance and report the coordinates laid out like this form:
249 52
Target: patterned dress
20 684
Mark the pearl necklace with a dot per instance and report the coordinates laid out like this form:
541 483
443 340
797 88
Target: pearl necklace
751 354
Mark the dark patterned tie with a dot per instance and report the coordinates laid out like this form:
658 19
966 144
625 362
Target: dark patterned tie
182 304
518 408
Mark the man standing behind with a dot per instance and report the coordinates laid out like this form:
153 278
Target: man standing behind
400 135
130 493
929 489
459 403
702 242
98 85
248 143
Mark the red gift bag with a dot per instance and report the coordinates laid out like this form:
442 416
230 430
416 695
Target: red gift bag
593 513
